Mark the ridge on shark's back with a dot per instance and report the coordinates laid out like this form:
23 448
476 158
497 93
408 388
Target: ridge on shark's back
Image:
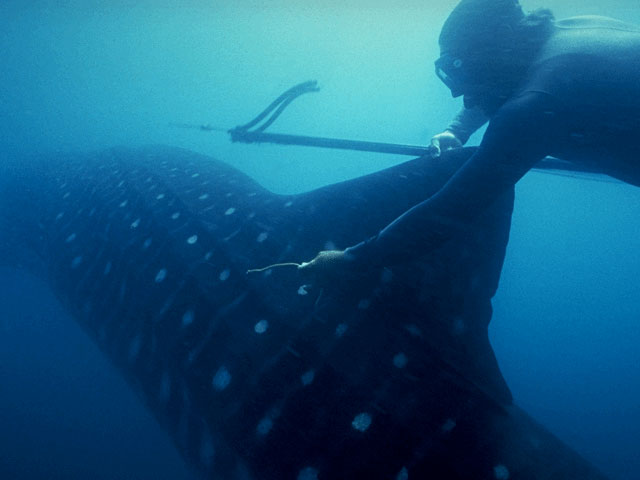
259 376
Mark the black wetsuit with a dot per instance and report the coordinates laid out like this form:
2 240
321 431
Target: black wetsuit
579 102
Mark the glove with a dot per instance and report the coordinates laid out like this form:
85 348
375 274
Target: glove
444 141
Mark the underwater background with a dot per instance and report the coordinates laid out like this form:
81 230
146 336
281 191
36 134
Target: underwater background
86 75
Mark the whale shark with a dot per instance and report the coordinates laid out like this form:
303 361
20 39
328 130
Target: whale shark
386 375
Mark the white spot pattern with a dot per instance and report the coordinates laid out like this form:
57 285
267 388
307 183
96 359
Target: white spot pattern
362 422
261 326
449 425
187 318
308 377
501 472
308 473
161 275
221 379
341 330
364 304
264 426
400 360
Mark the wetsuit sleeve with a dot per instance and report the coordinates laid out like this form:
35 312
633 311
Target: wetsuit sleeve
519 135
466 123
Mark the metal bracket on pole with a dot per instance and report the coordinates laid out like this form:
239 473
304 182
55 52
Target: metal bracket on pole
248 134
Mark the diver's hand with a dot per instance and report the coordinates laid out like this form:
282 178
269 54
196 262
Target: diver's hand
328 266
444 141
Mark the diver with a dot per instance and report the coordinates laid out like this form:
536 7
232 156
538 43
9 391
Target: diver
568 89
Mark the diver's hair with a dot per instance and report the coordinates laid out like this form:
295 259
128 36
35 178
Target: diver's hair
539 16
534 28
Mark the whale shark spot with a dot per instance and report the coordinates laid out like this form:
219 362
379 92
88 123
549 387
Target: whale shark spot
362 422
221 379
161 275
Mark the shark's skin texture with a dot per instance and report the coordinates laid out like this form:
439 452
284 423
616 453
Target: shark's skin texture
386 375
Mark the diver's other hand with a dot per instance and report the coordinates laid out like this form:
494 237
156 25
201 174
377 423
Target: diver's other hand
444 141
327 266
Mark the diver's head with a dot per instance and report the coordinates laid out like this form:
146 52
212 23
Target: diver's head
486 46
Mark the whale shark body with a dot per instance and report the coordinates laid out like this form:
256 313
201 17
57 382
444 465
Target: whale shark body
259 376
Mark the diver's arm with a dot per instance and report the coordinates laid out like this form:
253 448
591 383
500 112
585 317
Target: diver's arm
517 137
466 122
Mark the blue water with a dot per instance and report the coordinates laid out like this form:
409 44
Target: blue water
83 75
